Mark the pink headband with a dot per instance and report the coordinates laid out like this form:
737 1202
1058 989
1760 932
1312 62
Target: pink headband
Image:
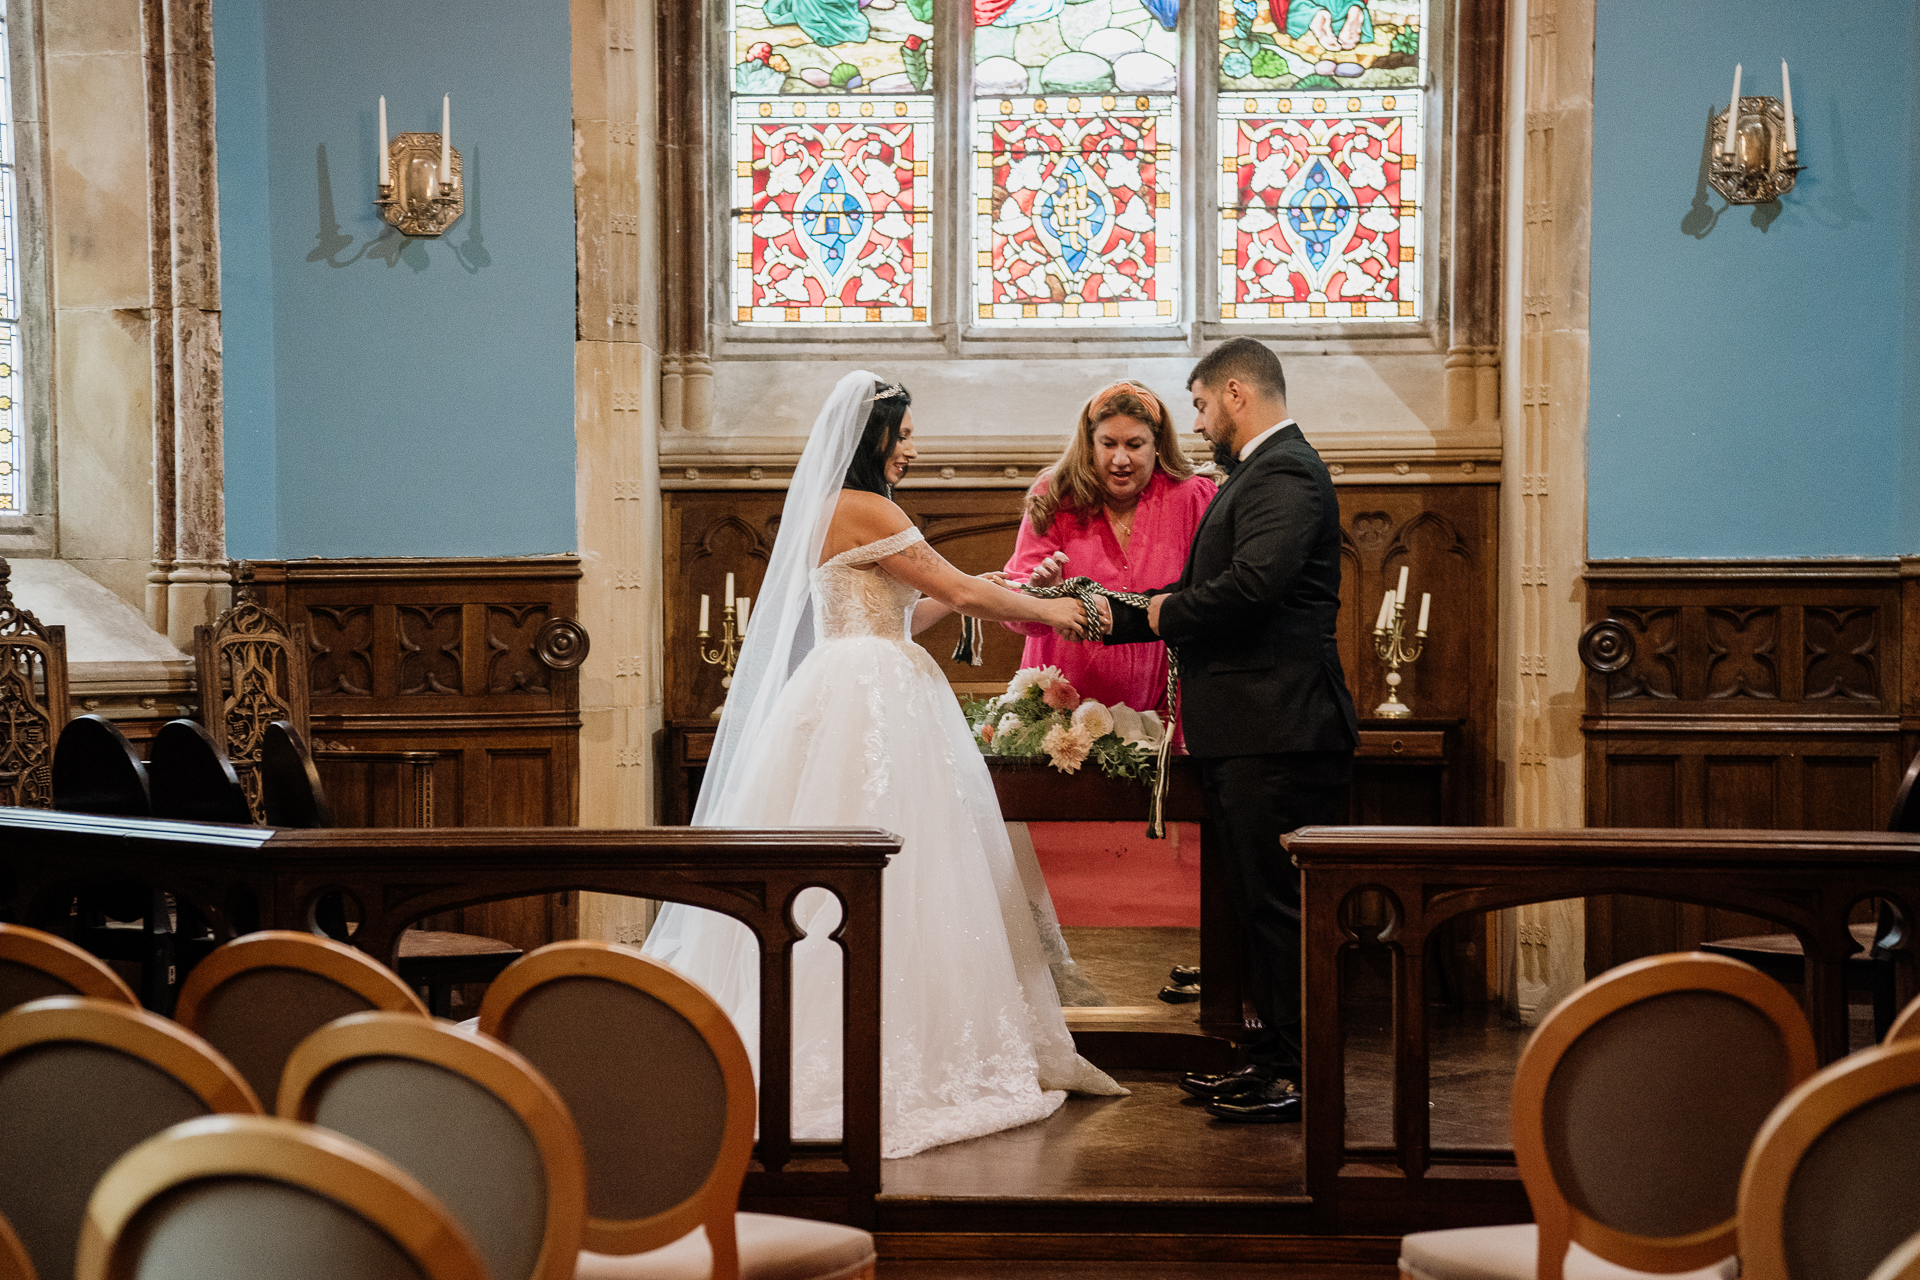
1100 398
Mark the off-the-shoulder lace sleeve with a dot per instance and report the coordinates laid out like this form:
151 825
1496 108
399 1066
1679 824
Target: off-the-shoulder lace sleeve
882 549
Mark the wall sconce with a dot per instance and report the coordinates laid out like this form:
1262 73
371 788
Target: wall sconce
420 189
1755 155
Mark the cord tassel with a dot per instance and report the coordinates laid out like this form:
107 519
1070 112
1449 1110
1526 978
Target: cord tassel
972 649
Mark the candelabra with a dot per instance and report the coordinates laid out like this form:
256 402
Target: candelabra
1394 649
726 655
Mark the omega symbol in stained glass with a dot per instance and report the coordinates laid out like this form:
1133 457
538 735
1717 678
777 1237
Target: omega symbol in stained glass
1077 218
830 218
1319 207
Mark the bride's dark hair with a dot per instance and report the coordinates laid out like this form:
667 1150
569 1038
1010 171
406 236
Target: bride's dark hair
868 470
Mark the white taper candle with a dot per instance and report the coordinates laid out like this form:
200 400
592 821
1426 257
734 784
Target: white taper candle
1426 602
704 602
1786 90
729 588
1733 111
1400 596
740 606
386 174
446 134
1385 618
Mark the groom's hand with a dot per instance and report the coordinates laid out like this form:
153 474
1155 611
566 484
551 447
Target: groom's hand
1106 615
1153 613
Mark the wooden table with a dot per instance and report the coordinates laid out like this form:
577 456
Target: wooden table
246 878
1806 881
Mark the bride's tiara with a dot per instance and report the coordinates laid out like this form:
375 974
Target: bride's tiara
887 391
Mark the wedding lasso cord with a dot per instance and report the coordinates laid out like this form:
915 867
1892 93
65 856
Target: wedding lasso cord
1085 590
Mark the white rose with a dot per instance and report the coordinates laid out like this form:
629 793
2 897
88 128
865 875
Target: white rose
1151 728
1009 723
1027 678
1126 722
1094 718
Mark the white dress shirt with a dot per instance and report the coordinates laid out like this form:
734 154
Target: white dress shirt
1246 450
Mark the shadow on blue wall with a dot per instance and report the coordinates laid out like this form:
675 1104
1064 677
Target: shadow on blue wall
390 246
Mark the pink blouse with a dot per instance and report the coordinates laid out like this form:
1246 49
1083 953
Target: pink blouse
1163 528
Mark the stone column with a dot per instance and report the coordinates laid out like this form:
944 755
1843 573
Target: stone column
687 136
617 408
1543 515
188 584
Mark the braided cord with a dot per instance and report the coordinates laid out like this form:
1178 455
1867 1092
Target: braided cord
1086 590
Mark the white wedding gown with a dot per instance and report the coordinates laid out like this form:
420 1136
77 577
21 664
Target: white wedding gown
867 733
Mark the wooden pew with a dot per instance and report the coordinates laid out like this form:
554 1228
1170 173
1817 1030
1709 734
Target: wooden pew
1806 881
247 878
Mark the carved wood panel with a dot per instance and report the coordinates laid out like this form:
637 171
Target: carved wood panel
1744 697
430 641
341 640
1445 534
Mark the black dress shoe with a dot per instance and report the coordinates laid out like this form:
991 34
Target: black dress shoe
1184 975
1281 1102
1180 995
1247 1079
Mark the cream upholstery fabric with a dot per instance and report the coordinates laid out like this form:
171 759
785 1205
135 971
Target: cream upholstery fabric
1508 1253
258 1018
771 1248
250 1228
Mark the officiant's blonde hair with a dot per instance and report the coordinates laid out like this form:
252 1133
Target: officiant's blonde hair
1072 483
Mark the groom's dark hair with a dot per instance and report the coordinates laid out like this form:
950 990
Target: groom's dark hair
1253 363
868 470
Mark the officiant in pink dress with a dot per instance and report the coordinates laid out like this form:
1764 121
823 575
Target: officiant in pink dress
1121 507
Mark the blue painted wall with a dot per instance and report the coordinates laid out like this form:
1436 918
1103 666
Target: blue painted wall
1755 388
387 396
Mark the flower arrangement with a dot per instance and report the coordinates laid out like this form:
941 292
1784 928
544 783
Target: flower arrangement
1042 715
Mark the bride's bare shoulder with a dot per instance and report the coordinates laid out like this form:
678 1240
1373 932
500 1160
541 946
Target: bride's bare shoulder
859 518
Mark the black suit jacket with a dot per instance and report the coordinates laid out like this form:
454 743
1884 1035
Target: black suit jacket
1252 616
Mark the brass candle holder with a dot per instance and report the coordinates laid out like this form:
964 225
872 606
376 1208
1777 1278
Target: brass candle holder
1394 649
725 656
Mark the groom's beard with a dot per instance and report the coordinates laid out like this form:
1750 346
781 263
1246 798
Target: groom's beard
1224 456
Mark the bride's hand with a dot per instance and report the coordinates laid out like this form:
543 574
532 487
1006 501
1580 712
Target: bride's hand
1067 617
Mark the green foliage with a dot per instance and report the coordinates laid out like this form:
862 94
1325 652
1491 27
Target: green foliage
1269 65
841 74
1114 756
1406 41
915 62
922 10
1317 82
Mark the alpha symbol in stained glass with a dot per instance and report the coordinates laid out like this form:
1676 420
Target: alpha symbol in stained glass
831 222
1319 207
1072 214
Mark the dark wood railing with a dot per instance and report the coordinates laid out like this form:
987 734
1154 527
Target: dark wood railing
1807 881
245 878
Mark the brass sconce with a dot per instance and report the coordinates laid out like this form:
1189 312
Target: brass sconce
420 190
1755 153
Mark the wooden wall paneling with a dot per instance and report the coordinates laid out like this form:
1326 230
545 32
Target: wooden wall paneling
976 531
444 656
1751 696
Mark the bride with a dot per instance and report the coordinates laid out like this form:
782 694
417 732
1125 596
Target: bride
837 718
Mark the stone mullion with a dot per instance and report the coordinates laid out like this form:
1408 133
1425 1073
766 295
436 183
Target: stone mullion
161 333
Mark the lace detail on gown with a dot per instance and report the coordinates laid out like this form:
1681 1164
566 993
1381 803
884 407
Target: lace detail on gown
866 732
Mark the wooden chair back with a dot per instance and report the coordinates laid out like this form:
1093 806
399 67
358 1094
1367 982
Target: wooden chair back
35 965
256 998
33 700
239 1197
657 1080
1902 1264
464 1114
14 1262
290 790
190 780
1635 1101
253 672
81 1082
96 770
1829 1186
1906 800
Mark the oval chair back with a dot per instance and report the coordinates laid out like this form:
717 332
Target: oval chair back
240 1197
34 965
290 790
1636 1100
662 1091
1829 1188
258 997
190 778
96 770
466 1116
82 1082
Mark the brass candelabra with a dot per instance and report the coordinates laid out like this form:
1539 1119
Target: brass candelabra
726 655
1390 643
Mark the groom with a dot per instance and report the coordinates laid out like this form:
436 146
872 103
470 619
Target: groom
1263 701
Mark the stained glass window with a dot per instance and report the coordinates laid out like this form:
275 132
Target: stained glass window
1320 116
832 126
1077 213
13 445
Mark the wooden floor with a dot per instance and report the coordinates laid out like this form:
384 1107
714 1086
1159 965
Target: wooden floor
1149 1184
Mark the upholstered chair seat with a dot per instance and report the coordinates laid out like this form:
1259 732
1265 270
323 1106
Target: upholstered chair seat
771 1248
1509 1253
